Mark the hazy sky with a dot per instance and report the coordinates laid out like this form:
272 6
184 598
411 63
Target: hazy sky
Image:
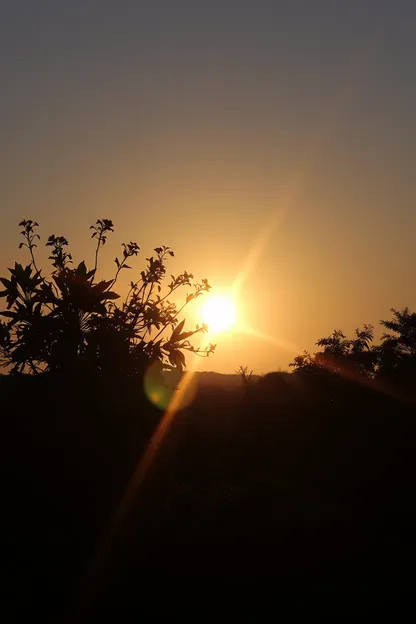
213 127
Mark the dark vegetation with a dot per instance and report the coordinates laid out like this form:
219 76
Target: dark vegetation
306 477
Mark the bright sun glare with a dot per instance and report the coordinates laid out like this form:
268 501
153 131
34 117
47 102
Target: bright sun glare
219 313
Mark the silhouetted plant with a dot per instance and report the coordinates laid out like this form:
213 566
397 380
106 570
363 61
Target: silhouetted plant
70 320
397 352
245 374
341 354
305 362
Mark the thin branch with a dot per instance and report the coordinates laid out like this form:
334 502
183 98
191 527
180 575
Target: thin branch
96 256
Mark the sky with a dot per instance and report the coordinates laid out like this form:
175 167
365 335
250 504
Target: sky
270 141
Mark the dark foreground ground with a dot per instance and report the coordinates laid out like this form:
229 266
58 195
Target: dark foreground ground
300 483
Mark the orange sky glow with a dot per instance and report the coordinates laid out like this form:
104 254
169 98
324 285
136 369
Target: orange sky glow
276 159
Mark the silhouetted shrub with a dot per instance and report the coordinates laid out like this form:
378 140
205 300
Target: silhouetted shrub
69 321
393 361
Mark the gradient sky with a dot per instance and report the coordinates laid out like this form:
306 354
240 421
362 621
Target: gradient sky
222 129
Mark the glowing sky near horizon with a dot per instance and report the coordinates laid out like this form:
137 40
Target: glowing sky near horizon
271 144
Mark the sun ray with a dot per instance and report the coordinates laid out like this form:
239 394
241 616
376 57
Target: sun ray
271 340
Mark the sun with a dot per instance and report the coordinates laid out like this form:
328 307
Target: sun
219 313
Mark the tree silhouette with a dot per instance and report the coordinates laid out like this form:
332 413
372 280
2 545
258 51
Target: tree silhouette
397 352
69 321
340 354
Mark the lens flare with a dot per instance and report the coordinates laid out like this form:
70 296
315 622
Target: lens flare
156 389
162 389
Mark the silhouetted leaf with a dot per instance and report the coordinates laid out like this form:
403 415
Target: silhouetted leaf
81 268
180 359
185 335
102 286
177 331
